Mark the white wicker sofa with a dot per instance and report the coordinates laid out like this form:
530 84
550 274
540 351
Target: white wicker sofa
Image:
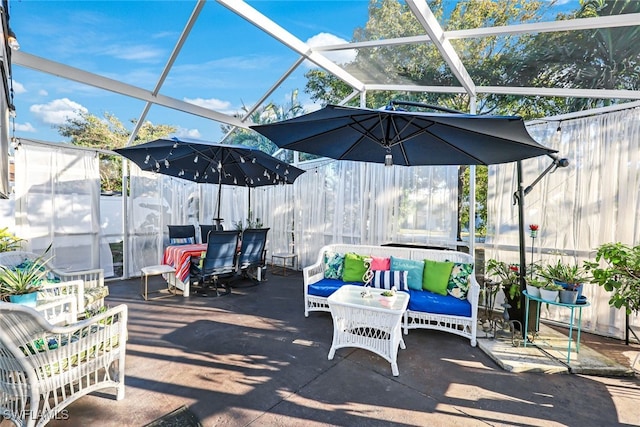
426 310
44 368
90 296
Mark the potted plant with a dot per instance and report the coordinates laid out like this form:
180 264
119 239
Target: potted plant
620 274
21 284
570 277
550 292
534 284
8 241
508 276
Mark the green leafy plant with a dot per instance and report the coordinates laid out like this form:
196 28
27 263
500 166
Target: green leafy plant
552 287
239 225
537 282
507 274
620 274
26 279
387 293
572 275
9 241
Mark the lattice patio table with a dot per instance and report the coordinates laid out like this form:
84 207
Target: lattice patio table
371 323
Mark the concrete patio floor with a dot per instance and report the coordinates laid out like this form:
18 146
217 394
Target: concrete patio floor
252 358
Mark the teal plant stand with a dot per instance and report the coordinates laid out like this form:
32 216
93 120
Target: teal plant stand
571 307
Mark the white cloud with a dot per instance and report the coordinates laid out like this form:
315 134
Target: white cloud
211 103
187 133
18 88
43 92
25 127
143 53
58 111
339 56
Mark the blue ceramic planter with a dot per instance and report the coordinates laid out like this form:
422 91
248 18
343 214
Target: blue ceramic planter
25 299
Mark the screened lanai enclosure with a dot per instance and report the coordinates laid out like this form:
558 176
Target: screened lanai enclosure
524 61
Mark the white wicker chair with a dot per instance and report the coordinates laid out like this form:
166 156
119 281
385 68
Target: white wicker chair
90 296
44 368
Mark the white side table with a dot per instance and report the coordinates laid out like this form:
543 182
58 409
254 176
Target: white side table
155 270
286 261
370 323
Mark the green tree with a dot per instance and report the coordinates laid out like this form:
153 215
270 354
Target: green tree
603 58
491 61
91 131
270 113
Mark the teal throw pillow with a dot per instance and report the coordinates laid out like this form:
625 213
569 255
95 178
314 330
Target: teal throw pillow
333 265
354 268
458 285
436 276
413 268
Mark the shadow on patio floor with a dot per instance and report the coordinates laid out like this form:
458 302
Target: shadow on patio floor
253 358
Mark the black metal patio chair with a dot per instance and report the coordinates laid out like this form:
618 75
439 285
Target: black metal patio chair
220 262
253 253
182 234
206 229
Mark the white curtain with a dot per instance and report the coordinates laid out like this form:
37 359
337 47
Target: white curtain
594 200
366 203
333 202
57 201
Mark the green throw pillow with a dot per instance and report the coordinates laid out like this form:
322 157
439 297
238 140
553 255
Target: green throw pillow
459 280
436 276
354 268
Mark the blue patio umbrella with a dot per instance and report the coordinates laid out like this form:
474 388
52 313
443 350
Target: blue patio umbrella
405 138
398 137
208 162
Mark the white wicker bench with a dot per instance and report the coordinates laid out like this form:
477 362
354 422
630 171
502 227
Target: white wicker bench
460 325
90 296
44 368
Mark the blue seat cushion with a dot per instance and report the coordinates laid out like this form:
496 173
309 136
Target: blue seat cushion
326 287
438 304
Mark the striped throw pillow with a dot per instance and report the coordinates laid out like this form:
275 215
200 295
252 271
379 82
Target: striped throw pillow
388 279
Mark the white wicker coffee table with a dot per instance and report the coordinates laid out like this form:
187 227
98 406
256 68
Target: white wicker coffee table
368 323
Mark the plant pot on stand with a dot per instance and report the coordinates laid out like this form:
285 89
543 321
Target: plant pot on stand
514 310
568 296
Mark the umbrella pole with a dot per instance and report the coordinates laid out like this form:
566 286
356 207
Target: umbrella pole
217 218
523 266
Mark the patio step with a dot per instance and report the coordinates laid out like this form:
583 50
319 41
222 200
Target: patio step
548 354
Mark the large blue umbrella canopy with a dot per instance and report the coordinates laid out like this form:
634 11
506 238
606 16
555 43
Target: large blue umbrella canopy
409 138
208 162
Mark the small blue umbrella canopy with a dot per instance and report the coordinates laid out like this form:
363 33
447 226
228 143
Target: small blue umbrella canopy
208 162
404 137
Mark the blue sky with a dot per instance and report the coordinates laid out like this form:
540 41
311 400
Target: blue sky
225 63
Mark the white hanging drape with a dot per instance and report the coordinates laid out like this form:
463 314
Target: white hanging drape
57 194
594 200
341 202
